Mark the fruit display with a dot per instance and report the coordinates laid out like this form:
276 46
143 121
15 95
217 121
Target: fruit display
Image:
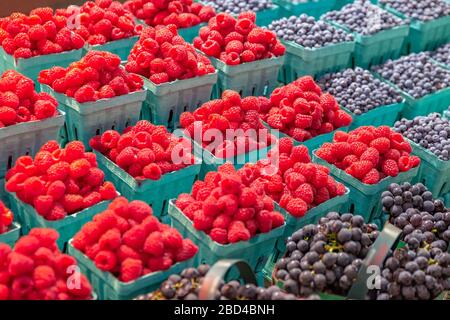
101 21
6 218
39 33
228 208
414 210
98 75
358 90
182 13
415 74
308 32
441 54
35 269
161 55
431 132
59 182
187 285
302 111
20 102
325 257
369 153
237 40
424 10
145 151
129 242
238 6
231 112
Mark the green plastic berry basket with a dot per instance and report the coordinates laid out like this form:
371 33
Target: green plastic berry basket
313 8
108 287
120 47
12 235
166 102
364 198
26 139
189 34
375 49
156 193
212 163
312 143
379 116
265 17
425 35
433 102
256 78
293 224
86 120
434 173
255 251
28 218
300 61
32 66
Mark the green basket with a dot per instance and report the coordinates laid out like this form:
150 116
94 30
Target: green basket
156 193
313 8
257 78
67 227
189 34
383 115
26 139
293 224
121 47
108 287
166 102
212 163
255 251
12 235
265 17
300 61
433 102
425 35
434 173
86 120
364 198
377 48
312 143
32 66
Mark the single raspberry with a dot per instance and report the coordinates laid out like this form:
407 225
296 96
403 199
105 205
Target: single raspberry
297 207
105 260
131 269
372 177
390 167
152 171
381 144
187 250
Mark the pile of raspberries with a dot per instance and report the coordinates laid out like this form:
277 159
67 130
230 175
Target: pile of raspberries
101 21
302 111
145 151
128 241
98 75
59 182
6 218
36 270
19 101
230 115
227 208
236 41
295 183
161 55
182 13
369 153
39 33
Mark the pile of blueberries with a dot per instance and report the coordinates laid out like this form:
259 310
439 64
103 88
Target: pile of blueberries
431 132
442 54
358 90
238 6
415 74
307 32
187 285
326 257
423 10
364 18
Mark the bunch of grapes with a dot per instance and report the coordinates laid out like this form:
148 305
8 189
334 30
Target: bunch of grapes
187 284
413 209
326 257
414 273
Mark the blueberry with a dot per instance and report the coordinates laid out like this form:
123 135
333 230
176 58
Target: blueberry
422 10
236 7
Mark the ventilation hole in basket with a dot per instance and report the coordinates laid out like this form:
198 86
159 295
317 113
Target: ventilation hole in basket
164 208
97 132
444 186
352 208
253 91
10 162
170 120
127 124
185 108
113 127
199 104
75 132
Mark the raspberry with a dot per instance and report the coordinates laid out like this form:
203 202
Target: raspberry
47 237
247 199
135 237
202 221
79 168
372 177
43 204
19 264
238 232
108 191
187 250
211 48
300 154
43 277
105 260
305 192
131 269
297 207
37 32
172 238
159 78
152 171
247 56
154 244
126 157
34 186
84 94
7 116
110 240
381 144
139 210
72 203
360 168
372 155
390 167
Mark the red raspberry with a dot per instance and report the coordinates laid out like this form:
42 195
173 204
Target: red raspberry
358 148
381 144
297 207
372 177
126 157
44 277
19 264
154 244
79 168
43 205
139 210
135 237
359 169
159 78
305 192
238 232
372 155
390 167
300 154
202 221
108 191
247 56
219 235
110 240
247 199
152 171
84 94
105 260
187 250
72 203
47 237
131 269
